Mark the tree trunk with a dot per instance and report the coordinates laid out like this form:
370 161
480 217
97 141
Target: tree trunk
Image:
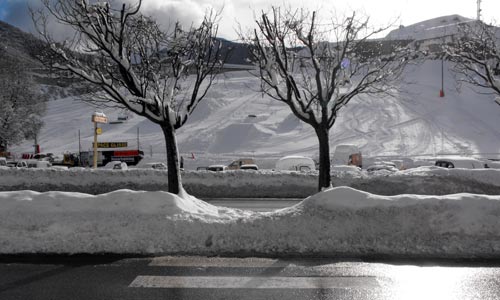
324 180
174 176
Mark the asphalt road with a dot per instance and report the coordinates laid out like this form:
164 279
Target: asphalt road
254 204
107 277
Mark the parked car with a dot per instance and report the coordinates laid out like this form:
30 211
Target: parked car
381 167
235 165
155 165
249 167
39 164
3 162
216 168
116 165
460 162
44 156
344 168
295 163
17 164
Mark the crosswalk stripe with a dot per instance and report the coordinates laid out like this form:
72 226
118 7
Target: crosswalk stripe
235 282
169 261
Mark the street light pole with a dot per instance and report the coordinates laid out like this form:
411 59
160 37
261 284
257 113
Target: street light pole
97 118
95 146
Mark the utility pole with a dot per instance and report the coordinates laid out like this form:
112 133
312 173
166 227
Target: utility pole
79 148
37 148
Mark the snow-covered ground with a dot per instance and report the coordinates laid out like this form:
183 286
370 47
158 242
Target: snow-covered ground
416 121
236 120
340 221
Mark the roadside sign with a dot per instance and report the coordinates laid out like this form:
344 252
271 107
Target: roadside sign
98 131
99 118
111 145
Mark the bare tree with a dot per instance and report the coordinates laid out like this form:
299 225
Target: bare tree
476 54
316 68
161 75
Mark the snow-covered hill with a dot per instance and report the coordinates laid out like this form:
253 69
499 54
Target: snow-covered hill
433 29
235 119
429 29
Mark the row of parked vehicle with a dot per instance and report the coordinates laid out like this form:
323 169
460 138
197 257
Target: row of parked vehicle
30 163
287 163
292 163
239 164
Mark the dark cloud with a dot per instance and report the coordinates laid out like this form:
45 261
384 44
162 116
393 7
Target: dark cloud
187 12
166 12
17 13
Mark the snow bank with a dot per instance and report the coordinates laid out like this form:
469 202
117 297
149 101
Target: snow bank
340 221
264 183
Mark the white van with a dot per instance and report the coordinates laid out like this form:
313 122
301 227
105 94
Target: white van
39 164
295 163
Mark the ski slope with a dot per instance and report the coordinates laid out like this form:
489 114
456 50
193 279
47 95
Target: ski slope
235 119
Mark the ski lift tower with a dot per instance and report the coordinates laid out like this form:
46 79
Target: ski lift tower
479 10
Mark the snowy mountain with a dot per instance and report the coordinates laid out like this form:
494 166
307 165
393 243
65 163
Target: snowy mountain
19 46
429 29
236 120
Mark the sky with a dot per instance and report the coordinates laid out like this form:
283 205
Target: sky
234 12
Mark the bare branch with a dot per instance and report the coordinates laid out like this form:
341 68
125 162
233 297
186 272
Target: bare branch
476 54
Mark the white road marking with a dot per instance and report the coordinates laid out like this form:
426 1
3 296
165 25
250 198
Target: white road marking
236 282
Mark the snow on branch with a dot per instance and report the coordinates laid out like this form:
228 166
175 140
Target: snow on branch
475 52
317 67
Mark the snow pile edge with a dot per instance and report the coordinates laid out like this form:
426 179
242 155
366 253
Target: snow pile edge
338 222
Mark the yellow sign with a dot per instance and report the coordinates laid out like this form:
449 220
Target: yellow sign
98 131
111 145
99 119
